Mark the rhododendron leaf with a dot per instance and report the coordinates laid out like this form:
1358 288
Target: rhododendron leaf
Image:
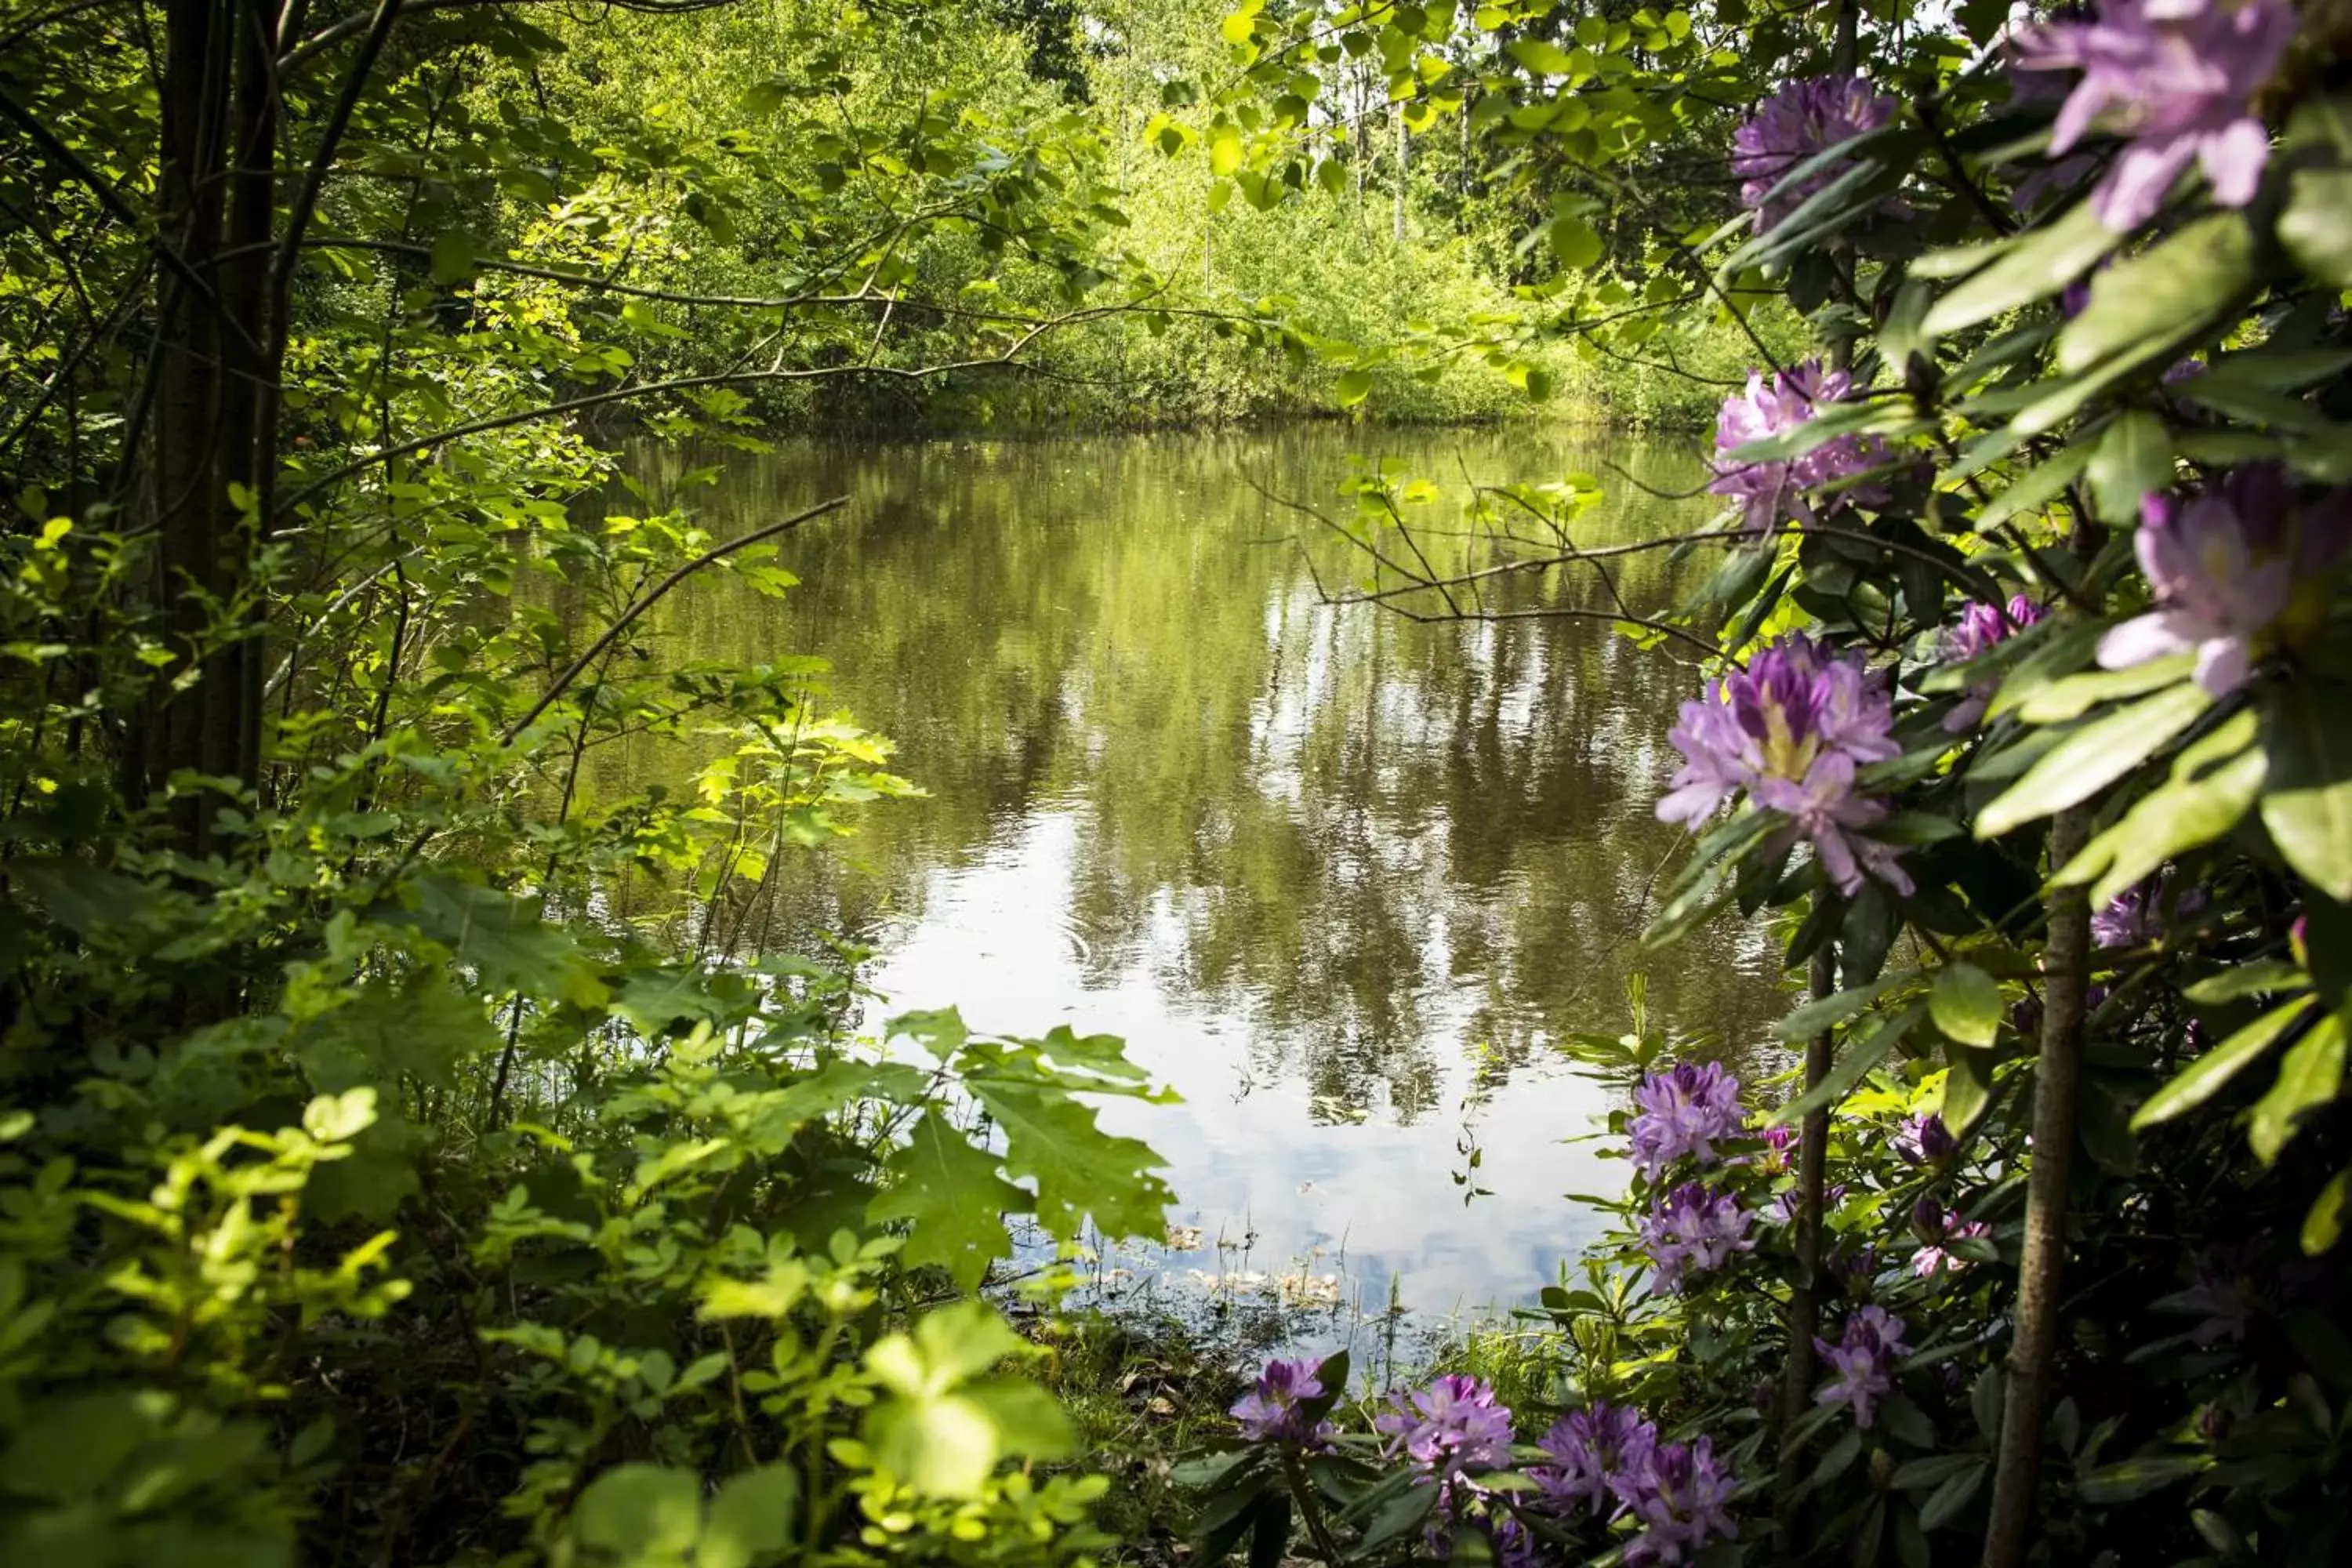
2307 799
2310 1076
1830 1011
1967 1090
2204 1078
2076 695
2315 229
2323 1225
2034 490
2164 295
2197 804
2243 979
2034 268
2093 756
2134 458
2139 1476
1859 1058
1966 1005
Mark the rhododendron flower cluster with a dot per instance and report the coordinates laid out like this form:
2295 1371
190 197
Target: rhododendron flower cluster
1862 1363
1936 1255
1981 628
1770 490
1802 119
1924 1139
1681 1497
1685 1113
1275 1409
1608 1461
2238 569
2178 79
1694 1228
1791 730
2134 915
1592 1452
1449 1426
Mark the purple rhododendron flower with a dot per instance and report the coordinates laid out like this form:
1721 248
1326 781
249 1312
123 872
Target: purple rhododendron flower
1453 1423
1936 1255
1682 1497
1590 1450
2173 76
1274 1410
1694 1228
1804 117
1791 730
2133 917
2237 569
1777 1141
1981 628
1861 1362
1924 1139
1684 1112
1769 491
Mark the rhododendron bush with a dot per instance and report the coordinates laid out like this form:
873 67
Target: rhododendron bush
2027 719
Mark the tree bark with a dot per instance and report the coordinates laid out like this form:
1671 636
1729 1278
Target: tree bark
216 364
1805 1296
2033 1341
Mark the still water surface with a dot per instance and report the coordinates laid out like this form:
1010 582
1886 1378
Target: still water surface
1340 879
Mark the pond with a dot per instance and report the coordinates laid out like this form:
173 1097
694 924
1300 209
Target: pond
1339 878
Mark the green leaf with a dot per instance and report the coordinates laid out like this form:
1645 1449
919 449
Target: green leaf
1224 150
1944 1504
943 1429
2310 1076
1542 57
2034 268
2164 294
644 1515
2308 800
2323 1225
456 259
1078 1168
2244 980
2034 489
2133 460
2201 1079
2213 785
2076 695
2139 1476
951 1196
1965 1003
1830 1011
2315 228
1575 243
1850 1068
1353 388
1967 1089
2093 756
423 1029
751 1519
502 939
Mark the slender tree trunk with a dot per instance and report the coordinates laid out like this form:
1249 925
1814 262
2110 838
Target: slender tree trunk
1400 182
1805 1296
2033 1341
216 364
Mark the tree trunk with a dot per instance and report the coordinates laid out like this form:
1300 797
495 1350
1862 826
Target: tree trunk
217 360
